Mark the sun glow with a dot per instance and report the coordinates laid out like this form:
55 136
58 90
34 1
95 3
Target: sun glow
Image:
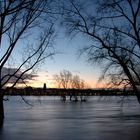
37 82
42 77
45 77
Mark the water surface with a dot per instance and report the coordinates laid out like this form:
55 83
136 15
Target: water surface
100 118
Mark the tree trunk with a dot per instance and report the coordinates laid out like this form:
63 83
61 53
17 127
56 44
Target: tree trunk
135 89
138 96
1 109
1 102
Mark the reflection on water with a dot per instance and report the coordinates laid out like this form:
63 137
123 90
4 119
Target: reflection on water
50 119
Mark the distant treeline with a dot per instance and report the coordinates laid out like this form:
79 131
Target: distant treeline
67 92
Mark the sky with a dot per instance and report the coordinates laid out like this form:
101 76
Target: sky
67 58
66 47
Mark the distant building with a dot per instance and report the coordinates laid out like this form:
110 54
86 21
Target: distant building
44 87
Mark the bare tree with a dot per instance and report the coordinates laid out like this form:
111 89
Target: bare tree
66 80
113 27
63 79
23 26
77 83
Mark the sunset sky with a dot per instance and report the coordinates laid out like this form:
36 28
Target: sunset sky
67 50
67 57
64 28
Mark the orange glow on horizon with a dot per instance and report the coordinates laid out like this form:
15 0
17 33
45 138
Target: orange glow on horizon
44 77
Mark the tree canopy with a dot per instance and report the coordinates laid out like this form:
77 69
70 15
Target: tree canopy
113 26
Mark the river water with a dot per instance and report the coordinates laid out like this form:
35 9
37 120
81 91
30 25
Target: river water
100 118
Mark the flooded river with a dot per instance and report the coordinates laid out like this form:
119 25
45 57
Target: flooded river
100 118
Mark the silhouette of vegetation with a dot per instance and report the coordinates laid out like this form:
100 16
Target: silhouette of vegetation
113 29
29 91
21 21
63 79
66 80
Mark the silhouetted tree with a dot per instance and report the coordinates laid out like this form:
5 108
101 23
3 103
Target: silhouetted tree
22 23
63 79
77 83
66 80
113 28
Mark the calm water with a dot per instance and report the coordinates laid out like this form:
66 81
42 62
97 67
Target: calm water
106 118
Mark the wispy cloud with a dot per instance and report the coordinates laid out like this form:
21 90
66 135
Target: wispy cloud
9 72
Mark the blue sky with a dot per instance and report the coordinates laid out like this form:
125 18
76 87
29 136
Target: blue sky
67 57
67 49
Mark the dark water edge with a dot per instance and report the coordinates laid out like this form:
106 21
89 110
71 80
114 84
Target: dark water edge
100 118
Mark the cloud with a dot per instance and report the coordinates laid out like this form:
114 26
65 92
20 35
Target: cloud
6 72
